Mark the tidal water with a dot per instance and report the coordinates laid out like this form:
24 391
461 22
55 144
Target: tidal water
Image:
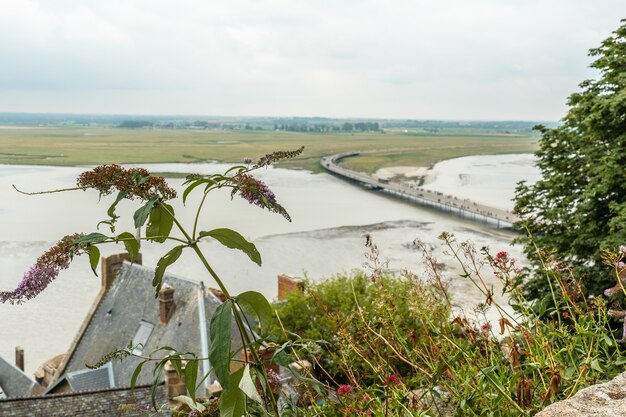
326 236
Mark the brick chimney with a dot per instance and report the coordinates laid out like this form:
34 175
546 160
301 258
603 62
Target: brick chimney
111 264
287 284
166 303
174 383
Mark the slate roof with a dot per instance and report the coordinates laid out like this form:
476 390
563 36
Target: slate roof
130 302
87 379
14 382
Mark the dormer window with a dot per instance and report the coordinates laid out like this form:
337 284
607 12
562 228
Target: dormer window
141 336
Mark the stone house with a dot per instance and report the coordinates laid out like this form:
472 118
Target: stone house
126 313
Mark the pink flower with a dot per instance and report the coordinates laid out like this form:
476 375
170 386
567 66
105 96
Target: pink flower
502 255
344 390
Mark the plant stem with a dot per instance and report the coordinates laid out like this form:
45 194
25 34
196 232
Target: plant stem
247 344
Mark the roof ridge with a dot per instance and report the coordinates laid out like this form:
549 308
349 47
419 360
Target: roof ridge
73 393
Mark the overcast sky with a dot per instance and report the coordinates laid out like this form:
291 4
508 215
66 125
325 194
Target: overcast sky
419 59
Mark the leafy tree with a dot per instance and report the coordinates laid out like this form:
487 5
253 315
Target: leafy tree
578 208
135 124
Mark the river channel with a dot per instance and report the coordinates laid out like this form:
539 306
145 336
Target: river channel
330 219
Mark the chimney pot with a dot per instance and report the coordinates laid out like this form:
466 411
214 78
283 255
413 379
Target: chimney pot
166 303
19 357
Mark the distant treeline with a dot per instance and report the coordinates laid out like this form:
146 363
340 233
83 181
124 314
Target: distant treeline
135 124
328 127
291 124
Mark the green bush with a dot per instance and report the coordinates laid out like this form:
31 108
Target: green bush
342 312
442 362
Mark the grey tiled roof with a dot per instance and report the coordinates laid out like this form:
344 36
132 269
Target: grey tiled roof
129 301
88 379
14 382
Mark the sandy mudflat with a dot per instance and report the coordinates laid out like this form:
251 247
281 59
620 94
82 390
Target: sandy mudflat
426 174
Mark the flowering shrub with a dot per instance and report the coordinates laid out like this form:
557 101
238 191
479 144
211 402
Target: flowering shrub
161 224
395 347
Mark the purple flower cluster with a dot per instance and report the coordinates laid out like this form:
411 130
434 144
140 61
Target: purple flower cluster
255 191
258 193
45 270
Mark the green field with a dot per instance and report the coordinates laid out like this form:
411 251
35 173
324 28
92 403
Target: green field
92 146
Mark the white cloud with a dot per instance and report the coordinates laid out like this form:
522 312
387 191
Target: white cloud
484 59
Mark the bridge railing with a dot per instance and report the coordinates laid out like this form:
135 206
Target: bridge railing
464 207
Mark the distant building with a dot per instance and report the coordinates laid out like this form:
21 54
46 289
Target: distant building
15 383
126 313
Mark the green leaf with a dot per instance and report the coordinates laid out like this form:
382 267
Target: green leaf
194 184
248 386
191 375
234 240
120 197
219 331
130 243
91 238
190 403
177 363
569 372
141 215
94 258
161 222
167 259
136 372
158 374
595 364
233 400
254 303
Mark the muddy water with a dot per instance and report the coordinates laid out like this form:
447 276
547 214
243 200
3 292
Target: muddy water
330 218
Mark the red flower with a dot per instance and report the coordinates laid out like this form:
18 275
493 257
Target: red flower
392 380
344 390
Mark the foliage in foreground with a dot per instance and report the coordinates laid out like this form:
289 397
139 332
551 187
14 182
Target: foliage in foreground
394 350
250 379
578 208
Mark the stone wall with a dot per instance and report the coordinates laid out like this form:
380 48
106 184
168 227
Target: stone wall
602 400
114 402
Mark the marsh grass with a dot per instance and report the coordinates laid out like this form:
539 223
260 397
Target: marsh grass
72 146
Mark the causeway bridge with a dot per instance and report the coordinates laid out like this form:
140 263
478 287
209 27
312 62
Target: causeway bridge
495 217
